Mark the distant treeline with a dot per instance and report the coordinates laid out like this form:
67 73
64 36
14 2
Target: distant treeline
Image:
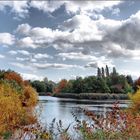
104 82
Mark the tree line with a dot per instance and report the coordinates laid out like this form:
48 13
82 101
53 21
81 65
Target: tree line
104 82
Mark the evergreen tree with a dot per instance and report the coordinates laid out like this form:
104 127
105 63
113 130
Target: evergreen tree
45 80
129 80
114 73
103 72
107 71
99 73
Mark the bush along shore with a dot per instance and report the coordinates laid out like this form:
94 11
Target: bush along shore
93 96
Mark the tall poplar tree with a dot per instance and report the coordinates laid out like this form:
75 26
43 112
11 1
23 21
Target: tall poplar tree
99 73
103 72
107 71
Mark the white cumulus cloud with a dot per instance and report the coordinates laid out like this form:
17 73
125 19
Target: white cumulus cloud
7 39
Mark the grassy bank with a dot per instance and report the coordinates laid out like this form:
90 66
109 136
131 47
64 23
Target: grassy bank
92 96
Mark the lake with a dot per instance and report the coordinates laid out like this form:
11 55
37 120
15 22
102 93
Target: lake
62 108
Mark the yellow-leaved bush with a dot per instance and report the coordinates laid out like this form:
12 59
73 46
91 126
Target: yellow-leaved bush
135 98
16 106
30 96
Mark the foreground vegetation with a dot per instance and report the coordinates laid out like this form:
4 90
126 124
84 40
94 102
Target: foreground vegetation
17 102
19 121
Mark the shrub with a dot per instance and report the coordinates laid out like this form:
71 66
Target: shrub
135 100
13 76
16 106
29 96
11 111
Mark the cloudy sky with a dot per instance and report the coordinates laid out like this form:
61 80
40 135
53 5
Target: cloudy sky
64 39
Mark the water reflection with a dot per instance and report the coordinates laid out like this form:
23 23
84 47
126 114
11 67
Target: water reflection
61 108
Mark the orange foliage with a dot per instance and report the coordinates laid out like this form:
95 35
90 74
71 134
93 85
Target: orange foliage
26 82
16 106
14 76
62 84
11 111
116 125
29 96
56 90
138 81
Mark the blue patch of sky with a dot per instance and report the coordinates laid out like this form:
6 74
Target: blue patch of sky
36 18
45 19
7 23
127 8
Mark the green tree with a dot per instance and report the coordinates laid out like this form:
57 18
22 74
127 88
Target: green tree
99 75
101 86
40 86
78 85
2 72
107 71
103 72
49 85
129 80
118 83
114 73
90 84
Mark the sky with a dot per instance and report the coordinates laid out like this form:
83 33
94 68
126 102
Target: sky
64 39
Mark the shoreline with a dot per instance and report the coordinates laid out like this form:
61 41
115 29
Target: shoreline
90 96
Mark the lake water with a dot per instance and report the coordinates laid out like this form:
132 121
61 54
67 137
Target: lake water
62 108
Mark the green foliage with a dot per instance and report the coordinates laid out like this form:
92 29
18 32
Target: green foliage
43 86
102 86
103 72
107 71
102 83
90 84
129 80
2 74
78 85
7 135
39 86
99 75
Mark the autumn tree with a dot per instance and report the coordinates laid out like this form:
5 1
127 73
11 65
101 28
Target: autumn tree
13 76
136 84
62 85
136 100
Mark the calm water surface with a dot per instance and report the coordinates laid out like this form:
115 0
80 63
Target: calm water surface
62 108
